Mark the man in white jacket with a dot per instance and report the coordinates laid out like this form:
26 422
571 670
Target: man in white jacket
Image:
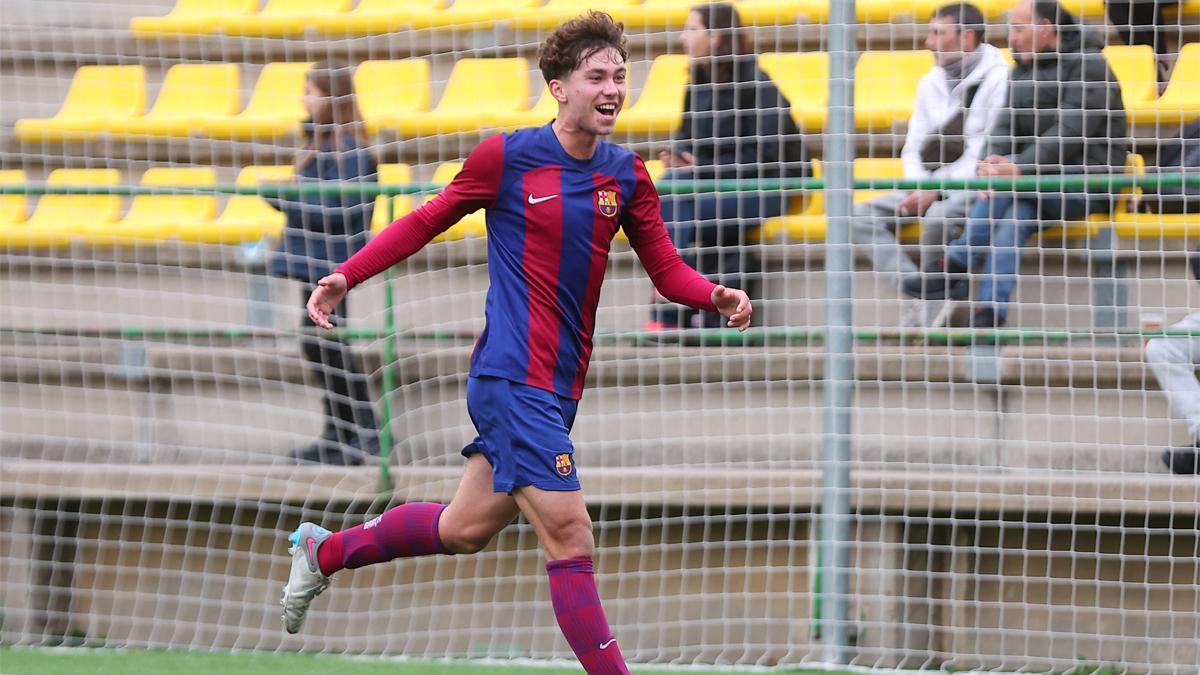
1174 361
957 103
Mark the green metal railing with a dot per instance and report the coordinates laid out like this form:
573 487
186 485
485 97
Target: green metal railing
709 337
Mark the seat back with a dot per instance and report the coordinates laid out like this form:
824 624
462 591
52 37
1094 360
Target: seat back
175 208
79 210
481 85
191 89
12 207
278 91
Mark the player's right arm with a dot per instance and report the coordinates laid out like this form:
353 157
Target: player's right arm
475 187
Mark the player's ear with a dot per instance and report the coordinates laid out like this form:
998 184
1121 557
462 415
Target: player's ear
558 91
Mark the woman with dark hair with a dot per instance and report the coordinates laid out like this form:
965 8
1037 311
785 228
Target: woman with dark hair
322 232
736 125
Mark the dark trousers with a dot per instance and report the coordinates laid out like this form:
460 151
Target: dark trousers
347 400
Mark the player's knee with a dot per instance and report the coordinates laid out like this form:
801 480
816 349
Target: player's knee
470 539
572 539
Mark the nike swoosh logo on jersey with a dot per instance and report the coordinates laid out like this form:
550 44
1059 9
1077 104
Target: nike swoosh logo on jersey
539 200
606 644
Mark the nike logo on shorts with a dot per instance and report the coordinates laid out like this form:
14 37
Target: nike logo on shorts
539 200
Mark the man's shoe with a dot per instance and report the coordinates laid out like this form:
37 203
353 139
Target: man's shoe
305 581
1183 461
943 279
985 316
316 452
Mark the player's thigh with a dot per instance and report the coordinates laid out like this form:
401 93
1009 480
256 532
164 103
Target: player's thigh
477 512
560 519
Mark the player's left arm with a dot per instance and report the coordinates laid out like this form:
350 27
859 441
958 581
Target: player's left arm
673 278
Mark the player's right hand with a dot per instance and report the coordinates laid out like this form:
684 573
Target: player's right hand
325 297
734 304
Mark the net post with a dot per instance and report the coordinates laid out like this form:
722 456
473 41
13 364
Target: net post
839 344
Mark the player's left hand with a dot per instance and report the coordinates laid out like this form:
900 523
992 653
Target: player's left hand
734 304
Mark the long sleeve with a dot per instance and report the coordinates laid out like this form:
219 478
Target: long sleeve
475 187
919 128
986 106
648 236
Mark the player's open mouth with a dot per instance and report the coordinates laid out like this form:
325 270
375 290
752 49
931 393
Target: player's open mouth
607 109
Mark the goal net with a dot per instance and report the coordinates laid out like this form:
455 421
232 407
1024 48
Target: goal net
871 476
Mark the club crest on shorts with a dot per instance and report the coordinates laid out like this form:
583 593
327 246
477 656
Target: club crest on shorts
563 465
606 202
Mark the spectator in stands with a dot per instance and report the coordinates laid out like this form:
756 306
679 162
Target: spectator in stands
322 232
1178 154
736 125
957 104
1174 361
1064 115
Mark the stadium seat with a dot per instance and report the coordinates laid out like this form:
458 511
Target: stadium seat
246 218
372 17
1180 103
280 18
808 224
554 12
190 95
469 14
167 217
477 89
885 86
474 224
388 90
542 112
392 174
274 110
1087 9
1135 67
13 208
804 79
659 108
97 94
60 219
783 12
192 16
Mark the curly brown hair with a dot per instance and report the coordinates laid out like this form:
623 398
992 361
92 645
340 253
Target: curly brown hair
575 41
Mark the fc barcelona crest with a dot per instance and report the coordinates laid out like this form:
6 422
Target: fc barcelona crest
562 464
606 202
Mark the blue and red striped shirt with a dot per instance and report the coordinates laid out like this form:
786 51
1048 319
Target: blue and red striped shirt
551 219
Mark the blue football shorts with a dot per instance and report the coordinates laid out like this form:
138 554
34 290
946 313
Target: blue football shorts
524 433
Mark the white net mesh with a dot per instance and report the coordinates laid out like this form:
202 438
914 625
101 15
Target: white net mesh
1010 508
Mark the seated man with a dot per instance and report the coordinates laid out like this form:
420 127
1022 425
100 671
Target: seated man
957 104
1174 361
1064 115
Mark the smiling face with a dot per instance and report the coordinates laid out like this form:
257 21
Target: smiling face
590 96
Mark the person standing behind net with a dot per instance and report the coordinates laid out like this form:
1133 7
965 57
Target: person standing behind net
555 196
736 125
957 104
323 231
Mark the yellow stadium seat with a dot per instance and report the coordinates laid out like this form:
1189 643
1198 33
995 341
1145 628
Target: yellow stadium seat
1088 9
1157 226
392 174
1180 103
192 16
13 208
542 112
655 168
167 217
783 12
388 90
274 110
659 108
885 86
246 218
371 17
477 89
654 13
97 95
1184 8
804 79
280 18
474 224
554 12
808 224
60 219
468 14
1135 68
191 94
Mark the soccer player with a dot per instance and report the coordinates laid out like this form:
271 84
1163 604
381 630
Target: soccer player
555 196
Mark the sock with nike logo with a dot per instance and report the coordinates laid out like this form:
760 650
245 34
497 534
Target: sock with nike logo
406 531
581 618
